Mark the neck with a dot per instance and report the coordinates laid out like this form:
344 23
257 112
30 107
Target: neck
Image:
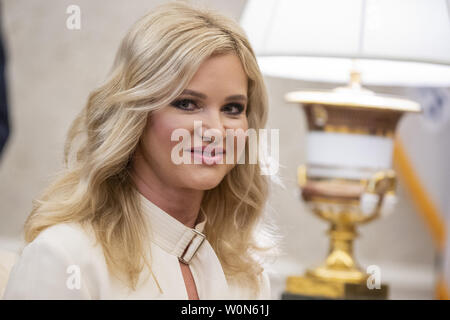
181 203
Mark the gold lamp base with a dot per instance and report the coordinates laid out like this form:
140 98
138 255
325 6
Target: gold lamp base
339 277
308 287
350 275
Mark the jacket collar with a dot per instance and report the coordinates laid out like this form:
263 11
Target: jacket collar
172 235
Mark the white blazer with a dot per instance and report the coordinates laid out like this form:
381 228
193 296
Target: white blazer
64 262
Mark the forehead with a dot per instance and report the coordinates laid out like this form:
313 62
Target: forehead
221 73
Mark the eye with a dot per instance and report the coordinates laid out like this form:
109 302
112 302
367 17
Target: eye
184 104
234 108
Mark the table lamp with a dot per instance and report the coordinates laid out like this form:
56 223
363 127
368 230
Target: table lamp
348 177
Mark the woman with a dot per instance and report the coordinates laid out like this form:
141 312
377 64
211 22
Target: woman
124 220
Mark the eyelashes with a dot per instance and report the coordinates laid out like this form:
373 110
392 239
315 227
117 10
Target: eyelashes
184 104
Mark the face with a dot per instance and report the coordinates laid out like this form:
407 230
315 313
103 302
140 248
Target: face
216 96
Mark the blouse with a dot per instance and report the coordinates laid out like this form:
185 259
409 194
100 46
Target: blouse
65 262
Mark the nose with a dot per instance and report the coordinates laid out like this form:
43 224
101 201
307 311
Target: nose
212 125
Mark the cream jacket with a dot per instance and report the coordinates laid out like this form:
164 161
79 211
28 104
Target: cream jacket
64 262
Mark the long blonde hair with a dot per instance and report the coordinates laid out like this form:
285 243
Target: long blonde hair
155 62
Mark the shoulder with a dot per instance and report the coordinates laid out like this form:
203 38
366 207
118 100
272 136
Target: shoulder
69 237
63 241
46 263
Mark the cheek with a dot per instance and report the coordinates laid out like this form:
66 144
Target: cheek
240 139
159 132
238 124
244 127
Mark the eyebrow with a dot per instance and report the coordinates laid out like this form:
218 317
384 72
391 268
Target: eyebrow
203 96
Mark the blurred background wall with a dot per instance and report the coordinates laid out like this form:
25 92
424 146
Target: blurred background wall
51 71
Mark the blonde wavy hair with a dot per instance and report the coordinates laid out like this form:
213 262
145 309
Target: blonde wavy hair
155 62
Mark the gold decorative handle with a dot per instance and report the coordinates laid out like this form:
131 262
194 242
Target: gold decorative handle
379 195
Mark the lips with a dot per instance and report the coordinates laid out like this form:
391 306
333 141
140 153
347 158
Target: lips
212 152
210 157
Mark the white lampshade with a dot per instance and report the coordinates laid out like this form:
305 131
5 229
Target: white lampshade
394 42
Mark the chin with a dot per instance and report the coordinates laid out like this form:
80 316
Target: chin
204 178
